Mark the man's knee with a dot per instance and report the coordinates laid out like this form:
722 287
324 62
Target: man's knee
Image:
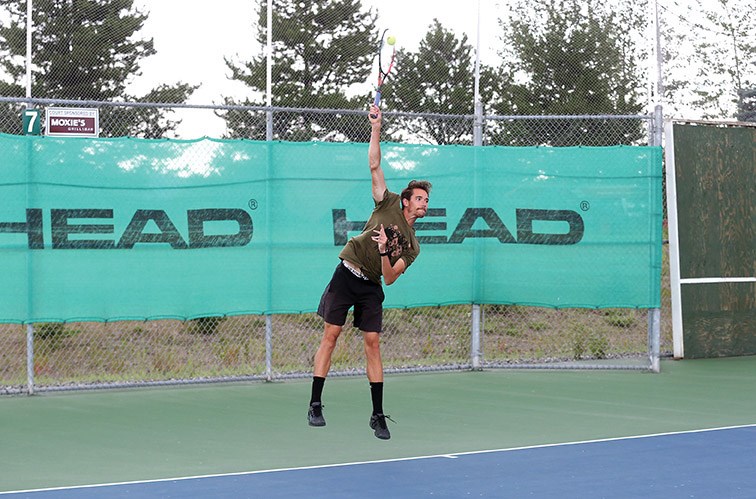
372 342
331 334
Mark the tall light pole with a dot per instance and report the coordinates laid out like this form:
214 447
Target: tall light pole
269 73
477 105
658 51
29 27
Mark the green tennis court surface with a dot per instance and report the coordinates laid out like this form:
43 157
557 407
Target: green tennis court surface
69 439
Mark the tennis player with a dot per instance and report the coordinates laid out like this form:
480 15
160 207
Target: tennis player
385 249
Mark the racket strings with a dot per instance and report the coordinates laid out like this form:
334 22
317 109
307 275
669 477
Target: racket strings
383 54
383 74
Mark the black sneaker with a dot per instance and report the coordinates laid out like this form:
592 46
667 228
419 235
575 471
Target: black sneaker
315 414
378 423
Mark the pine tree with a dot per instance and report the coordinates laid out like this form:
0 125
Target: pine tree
747 105
710 49
439 79
85 50
567 57
320 49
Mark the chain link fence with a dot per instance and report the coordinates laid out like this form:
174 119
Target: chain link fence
75 355
320 89
343 125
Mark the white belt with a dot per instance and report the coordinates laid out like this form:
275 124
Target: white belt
355 271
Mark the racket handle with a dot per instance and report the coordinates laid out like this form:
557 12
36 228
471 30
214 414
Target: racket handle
377 101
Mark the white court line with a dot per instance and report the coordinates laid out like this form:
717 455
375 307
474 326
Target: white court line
712 280
393 460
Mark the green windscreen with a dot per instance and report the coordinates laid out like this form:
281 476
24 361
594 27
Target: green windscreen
108 229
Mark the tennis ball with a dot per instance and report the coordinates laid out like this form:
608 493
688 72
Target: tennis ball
391 40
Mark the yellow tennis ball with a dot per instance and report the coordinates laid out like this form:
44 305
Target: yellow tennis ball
391 40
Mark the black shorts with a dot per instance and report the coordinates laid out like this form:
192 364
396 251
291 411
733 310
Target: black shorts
346 290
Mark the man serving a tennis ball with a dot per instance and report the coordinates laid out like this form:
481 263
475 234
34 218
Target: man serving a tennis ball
385 249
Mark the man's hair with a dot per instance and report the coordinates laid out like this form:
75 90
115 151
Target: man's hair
416 184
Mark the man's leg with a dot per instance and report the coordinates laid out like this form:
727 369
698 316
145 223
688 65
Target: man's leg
375 377
325 350
373 357
322 366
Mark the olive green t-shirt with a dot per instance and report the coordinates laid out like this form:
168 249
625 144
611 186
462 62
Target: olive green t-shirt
402 243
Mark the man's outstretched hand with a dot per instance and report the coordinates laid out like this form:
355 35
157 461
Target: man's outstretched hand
375 115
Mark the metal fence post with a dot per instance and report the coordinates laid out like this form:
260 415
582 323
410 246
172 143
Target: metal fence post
476 353
654 326
30 359
478 124
475 331
269 138
654 315
268 319
268 348
658 125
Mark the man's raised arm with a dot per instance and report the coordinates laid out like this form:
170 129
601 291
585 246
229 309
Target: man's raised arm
374 154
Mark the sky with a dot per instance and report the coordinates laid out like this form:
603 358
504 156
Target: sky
192 37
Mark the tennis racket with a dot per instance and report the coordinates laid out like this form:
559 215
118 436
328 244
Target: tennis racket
386 57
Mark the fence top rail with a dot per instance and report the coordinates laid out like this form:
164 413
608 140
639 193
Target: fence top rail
227 107
514 117
721 123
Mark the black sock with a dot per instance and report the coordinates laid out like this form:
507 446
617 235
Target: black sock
376 392
317 389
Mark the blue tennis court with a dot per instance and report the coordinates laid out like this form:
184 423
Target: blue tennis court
708 463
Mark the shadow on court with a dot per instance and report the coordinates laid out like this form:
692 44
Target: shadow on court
75 439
